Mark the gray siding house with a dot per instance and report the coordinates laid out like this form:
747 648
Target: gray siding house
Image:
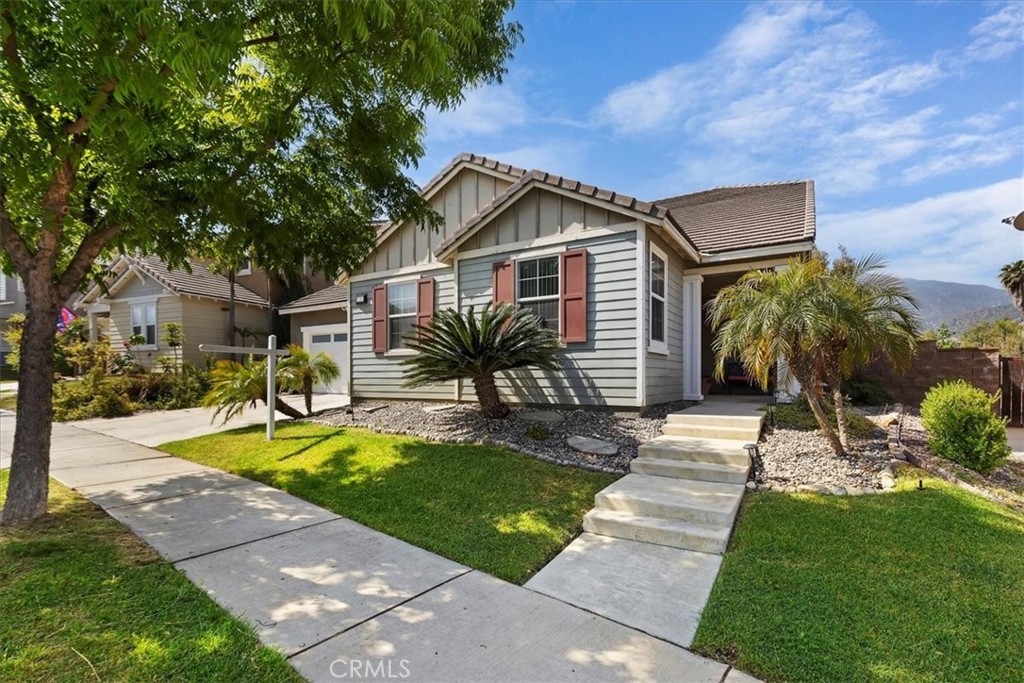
624 281
12 300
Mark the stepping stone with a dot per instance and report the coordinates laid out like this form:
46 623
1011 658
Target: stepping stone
585 444
438 409
544 416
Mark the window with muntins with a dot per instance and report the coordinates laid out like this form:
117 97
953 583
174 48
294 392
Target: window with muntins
537 288
144 321
401 313
658 307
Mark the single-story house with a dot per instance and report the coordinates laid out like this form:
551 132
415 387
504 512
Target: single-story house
624 281
143 295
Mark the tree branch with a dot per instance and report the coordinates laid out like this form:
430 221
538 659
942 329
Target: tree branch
13 57
88 251
11 240
264 40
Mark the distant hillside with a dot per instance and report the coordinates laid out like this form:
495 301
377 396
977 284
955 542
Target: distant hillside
958 305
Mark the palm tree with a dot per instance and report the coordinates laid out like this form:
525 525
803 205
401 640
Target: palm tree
1011 277
457 345
301 371
821 321
234 385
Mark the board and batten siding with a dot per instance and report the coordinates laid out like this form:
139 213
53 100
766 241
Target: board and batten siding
379 375
599 372
168 310
664 372
206 322
459 199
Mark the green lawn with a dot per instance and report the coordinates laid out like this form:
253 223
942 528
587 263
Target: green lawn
489 508
83 599
908 586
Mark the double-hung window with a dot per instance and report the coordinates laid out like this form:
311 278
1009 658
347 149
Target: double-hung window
401 313
537 288
144 321
659 301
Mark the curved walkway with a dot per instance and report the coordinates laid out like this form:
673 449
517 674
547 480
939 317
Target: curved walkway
342 600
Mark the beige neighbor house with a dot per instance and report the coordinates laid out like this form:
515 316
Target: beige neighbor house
624 281
143 295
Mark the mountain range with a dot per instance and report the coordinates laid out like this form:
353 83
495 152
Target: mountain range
958 305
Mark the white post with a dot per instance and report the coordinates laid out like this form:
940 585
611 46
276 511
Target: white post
693 324
271 384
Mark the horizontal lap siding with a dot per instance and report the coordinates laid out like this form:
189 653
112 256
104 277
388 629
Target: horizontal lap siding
665 373
206 322
168 310
378 375
600 371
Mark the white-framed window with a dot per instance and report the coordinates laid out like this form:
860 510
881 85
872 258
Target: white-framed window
537 282
244 267
401 312
21 284
3 286
658 305
144 321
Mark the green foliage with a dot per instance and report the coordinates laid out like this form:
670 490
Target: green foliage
123 363
943 337
13 331
234 385
1011 277
73 353
864 391
1004 334
300 372
88 398
174 337
538 432
962 426
798 415
115 396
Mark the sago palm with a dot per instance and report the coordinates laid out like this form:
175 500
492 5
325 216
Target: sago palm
234 385
301 371
1011 277
457 345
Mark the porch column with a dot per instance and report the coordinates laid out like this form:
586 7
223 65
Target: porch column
786 387
693 324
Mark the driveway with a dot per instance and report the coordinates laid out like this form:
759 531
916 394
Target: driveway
341 600
153 428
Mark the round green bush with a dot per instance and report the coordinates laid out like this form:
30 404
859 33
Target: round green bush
962 426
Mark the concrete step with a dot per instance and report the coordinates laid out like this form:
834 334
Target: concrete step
746 434
702 502
718 451
686 469
674 533
687 418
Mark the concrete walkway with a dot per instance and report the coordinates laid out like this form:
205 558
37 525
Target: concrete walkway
337 597
656 537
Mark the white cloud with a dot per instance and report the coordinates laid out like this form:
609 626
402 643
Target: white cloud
562 157
485 111
955 236
998 34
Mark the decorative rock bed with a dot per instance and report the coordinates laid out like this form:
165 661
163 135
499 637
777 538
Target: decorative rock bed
605 441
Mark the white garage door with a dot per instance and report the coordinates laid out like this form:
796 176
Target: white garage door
332 339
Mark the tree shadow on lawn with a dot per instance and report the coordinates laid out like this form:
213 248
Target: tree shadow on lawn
907 586
489 508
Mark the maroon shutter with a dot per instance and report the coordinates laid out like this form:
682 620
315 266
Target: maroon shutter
574 295
380 319
424 300
504 283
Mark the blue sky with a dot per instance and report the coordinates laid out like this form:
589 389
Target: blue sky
908 115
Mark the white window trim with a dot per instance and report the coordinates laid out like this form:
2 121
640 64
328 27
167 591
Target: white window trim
653 346
247 270
548 297
156 325
21 283
415 314
3 286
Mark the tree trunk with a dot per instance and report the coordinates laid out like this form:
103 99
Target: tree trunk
490 402
823 424
282 407
307 391
231 310
28 486
841 421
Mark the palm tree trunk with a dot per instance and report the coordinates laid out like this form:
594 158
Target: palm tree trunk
841 421
490 402
824 425
282 407
307 392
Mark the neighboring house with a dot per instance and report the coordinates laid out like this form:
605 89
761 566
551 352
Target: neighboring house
12 300
624 281
143 295
319 322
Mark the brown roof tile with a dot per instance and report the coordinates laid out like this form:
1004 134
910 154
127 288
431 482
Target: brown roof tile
200 282
335 294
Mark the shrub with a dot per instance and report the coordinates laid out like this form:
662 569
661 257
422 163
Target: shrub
962 426
864 391
89 398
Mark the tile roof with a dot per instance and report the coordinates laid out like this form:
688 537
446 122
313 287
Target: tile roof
335 294
201 282
744 216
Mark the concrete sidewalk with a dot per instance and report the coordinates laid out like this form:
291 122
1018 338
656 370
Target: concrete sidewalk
345 601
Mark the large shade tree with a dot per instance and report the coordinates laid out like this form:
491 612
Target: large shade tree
821 319
265 127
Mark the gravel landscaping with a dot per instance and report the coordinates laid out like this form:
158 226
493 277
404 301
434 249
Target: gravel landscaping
463 423
801 460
